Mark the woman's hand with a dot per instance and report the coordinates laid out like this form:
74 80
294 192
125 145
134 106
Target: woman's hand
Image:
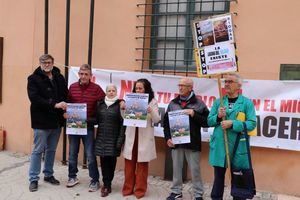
149 109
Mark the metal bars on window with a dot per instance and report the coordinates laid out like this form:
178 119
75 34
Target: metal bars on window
167 36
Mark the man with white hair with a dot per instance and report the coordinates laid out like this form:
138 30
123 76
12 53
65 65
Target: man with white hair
197 112
235 106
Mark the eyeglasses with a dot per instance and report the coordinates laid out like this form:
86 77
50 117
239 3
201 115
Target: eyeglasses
45 63
182 85
229 81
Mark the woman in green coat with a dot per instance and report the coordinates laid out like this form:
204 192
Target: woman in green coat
237 109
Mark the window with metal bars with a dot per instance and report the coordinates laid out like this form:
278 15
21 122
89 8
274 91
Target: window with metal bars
167 45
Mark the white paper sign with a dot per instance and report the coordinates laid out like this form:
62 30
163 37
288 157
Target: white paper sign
76 121
214 45
136 110
179 127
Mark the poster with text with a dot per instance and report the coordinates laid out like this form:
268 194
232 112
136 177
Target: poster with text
214 45
136 109
179 127
76 119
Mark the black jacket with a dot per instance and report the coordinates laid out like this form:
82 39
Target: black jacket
44 94
111 132
196 122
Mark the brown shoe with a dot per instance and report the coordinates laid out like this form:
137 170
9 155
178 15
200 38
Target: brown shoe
105 191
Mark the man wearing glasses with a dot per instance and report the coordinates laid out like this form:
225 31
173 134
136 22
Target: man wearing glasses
47 91
235 106
197 112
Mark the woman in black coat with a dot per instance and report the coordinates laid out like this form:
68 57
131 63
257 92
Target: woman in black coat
110 136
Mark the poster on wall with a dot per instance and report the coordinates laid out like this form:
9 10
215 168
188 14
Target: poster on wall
179 127
136 110
76 123
214 45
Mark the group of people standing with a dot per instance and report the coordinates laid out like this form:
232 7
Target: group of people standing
48 93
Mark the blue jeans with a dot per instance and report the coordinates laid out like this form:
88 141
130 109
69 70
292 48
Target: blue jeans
88 142
45 141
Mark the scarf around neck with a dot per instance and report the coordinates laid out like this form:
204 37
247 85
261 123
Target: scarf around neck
109 102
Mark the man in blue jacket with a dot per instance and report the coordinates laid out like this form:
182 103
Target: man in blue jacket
47 91
235 105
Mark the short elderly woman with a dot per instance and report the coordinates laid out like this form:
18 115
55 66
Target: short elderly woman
110 136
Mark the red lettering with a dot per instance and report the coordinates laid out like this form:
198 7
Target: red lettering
167 97
211 101
290 106
294 106
160 94
93 79
269 105
126 87
256 103
273 109
286 106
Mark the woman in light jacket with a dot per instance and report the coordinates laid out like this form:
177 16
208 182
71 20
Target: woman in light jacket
139 146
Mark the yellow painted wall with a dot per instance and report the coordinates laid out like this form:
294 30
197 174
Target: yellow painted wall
267 35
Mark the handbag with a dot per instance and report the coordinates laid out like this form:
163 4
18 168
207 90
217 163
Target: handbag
242 180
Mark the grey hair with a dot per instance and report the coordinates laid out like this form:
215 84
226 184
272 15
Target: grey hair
237 76
86 67
46 57
111 85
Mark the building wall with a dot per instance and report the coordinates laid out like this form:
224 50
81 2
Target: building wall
267 35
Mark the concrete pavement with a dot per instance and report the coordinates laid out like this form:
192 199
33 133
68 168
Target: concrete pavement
14 185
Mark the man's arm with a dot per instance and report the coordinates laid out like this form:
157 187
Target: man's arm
35 96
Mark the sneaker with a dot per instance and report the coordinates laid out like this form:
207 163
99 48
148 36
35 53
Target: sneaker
51 180
33 186
72 182
174 196
198 198
94 186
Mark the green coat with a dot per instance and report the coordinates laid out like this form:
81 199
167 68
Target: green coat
217 147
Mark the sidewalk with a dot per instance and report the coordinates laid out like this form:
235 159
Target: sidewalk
14 185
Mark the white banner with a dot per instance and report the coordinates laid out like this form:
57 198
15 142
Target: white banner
277 103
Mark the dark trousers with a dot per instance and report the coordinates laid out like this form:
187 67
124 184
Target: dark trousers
218 186
108 166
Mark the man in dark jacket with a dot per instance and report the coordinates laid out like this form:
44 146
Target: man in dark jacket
84 91
198 112
47 91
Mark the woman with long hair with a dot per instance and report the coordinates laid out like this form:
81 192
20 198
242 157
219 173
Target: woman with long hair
139 146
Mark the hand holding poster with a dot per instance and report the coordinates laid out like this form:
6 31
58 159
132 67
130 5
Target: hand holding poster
136 110
179 127
214 45
76 119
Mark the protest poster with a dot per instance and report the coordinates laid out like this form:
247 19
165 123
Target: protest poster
136 110
76 121
179 127
214 45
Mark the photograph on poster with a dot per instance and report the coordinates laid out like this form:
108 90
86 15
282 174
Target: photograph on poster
76 119
179 127
136 109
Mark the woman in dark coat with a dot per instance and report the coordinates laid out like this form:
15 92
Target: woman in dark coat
110 136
